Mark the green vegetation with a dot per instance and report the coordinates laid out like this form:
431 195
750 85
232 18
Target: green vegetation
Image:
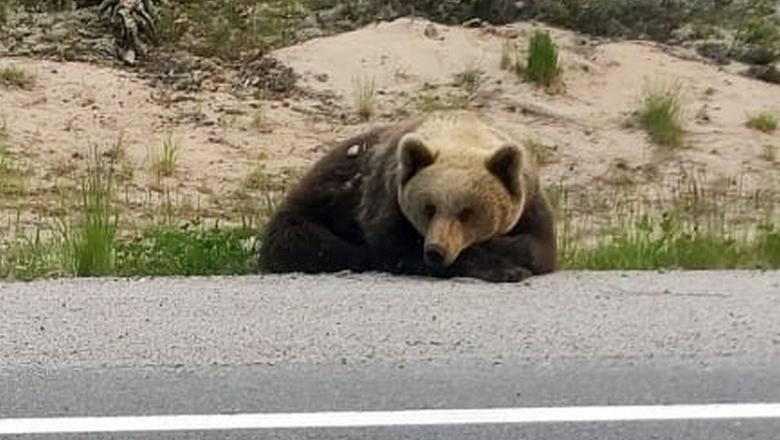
364 97
230 29
165 164
11 177
173 251
94 239
13 76
661 116
542 61
648 243
764 121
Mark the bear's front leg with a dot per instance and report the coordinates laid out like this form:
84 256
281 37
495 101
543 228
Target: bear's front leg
487 266
508 258
293 242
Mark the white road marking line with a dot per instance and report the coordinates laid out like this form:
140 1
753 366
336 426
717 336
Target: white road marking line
356 419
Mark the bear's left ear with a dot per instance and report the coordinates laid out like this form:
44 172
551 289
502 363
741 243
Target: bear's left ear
506 164
413 155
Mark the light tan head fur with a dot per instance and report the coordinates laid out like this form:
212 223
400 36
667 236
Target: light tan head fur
461 182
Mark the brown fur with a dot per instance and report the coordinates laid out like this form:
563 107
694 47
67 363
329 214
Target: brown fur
345 215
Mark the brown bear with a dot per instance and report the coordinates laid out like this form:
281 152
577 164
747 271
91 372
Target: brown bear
444 195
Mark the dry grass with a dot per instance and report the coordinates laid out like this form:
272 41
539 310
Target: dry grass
364 97
16 77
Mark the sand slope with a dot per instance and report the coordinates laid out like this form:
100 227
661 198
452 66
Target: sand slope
593 149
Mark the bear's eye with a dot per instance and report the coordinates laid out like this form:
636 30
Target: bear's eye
430 210
465 215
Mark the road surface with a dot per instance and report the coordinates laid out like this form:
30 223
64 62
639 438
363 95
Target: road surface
580 344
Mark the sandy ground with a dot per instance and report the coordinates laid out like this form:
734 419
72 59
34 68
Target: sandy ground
224 136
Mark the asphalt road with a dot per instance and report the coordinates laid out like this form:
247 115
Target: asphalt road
374 342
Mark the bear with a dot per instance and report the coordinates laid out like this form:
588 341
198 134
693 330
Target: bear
441 195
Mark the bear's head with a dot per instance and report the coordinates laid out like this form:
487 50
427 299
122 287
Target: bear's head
459 195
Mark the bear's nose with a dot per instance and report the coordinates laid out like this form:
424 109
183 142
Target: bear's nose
434 255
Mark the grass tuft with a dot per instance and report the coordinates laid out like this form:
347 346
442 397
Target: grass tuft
764 121
508 55
168 251
12 76
95 239
166 162
543 154
667 244
542 62
660 115
469 80
364 96
768 152
11 177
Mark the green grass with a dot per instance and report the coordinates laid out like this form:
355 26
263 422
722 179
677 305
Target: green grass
364 97
542 64
229 29
165 164
12 181
764 121
648 243
16 77
660 115
173 251
94 239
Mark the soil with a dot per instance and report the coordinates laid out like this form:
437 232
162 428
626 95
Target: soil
272 117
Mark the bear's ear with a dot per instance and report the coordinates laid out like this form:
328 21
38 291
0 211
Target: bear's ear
413 156
506 164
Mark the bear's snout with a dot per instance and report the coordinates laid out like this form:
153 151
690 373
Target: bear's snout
434 256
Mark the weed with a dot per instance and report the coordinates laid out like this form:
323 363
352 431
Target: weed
173 251
260 122
13 76
764 121
768 152
508 55
95 239
364 97
231 29
647 242
258 179
430 102
165 165
11 177
543 154
660 115
542 62
46 254
469 80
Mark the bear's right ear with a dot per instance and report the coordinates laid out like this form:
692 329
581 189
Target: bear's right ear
413 156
